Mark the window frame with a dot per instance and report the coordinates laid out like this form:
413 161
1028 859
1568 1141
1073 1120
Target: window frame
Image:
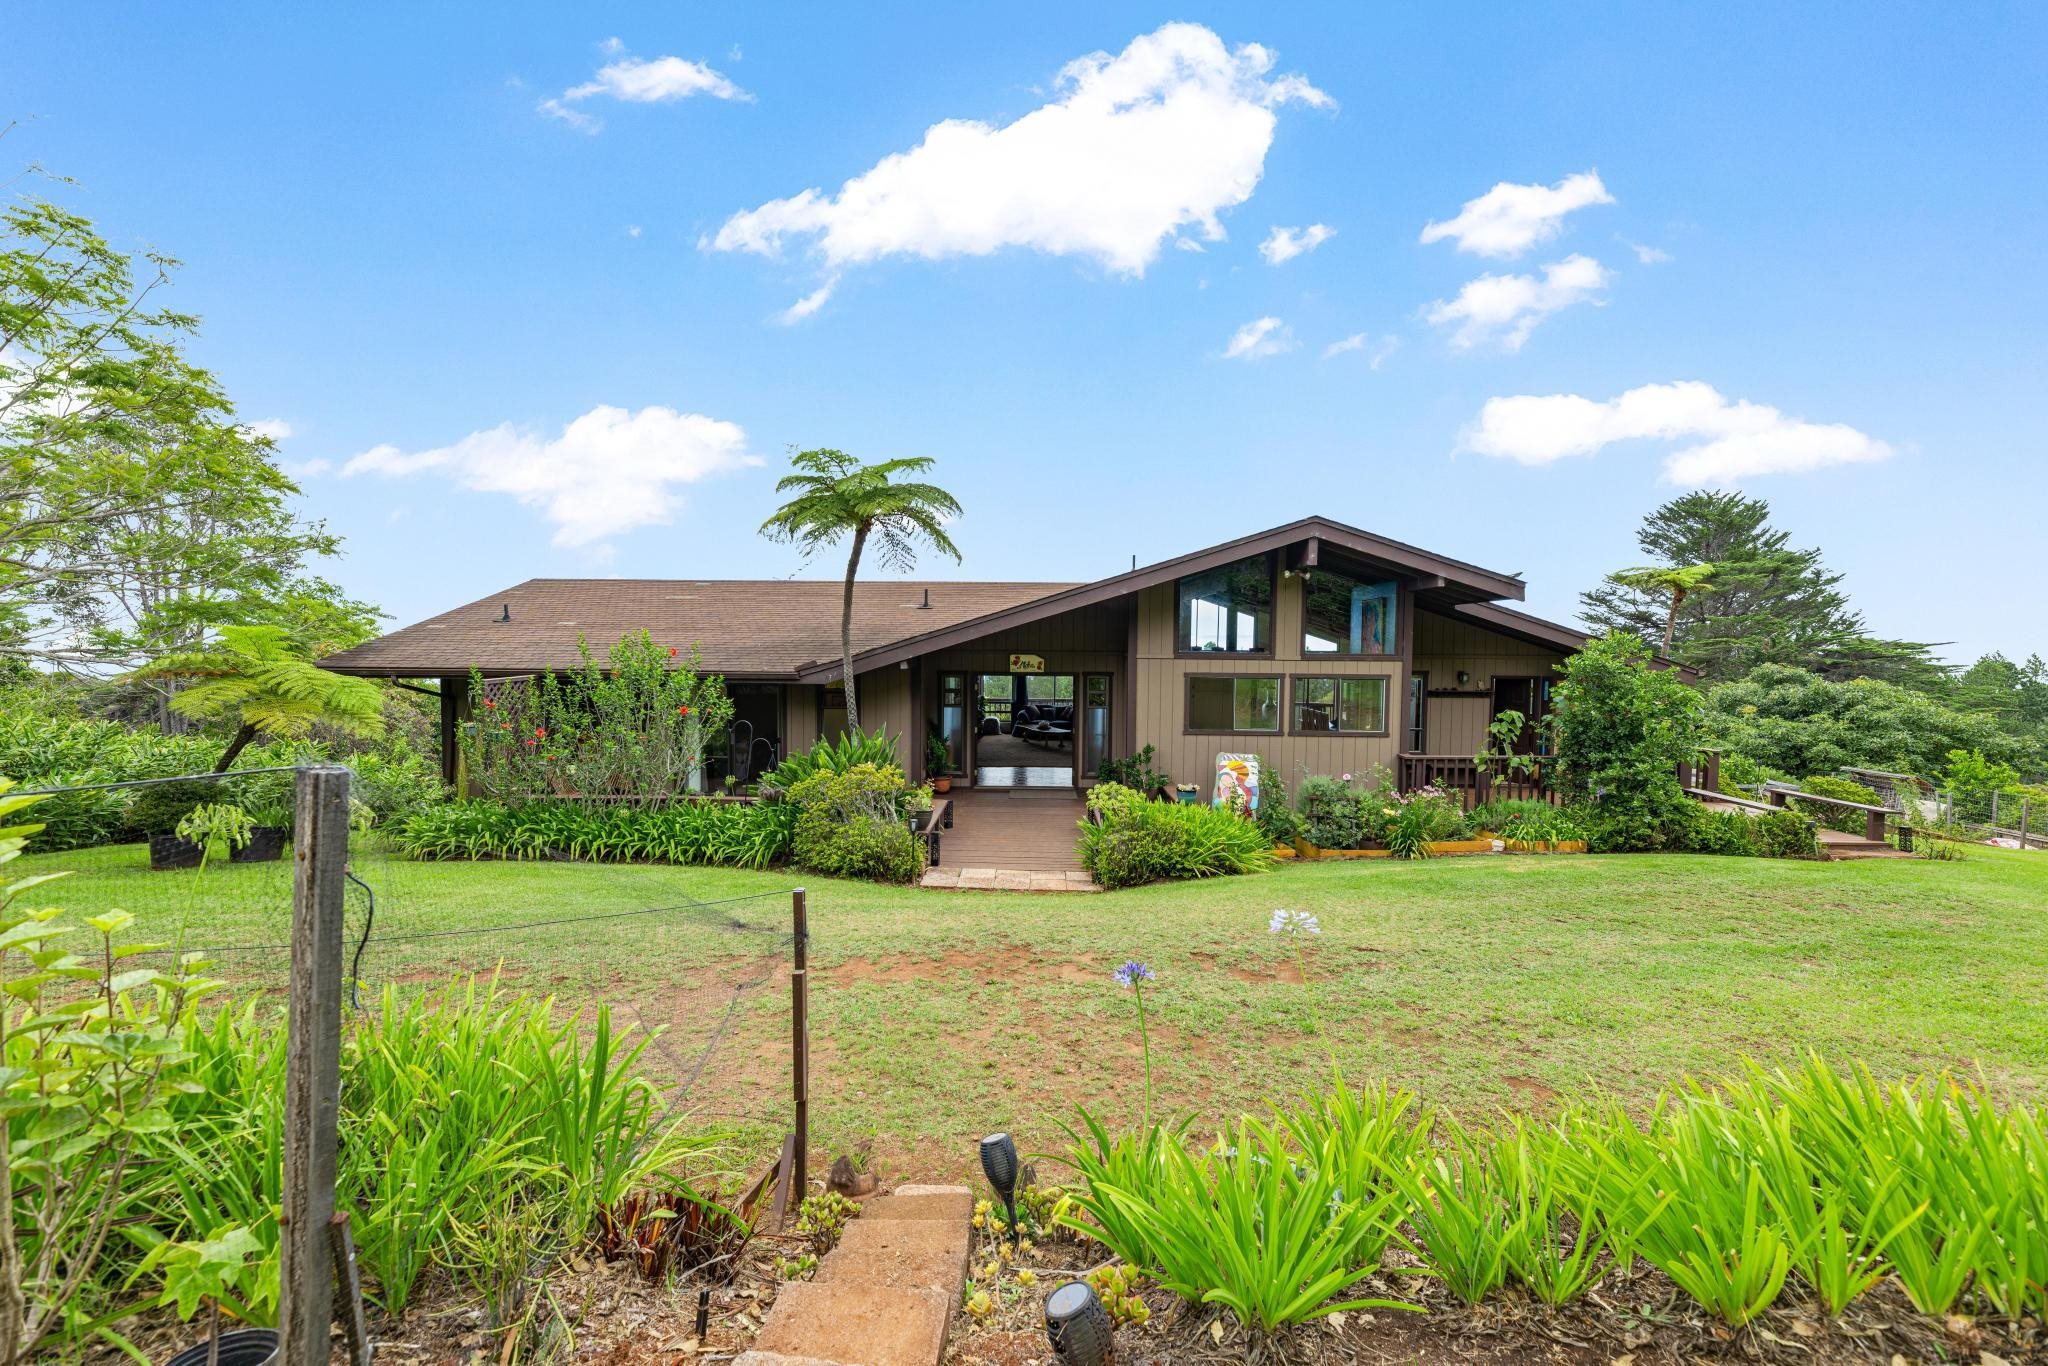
1398 608
1180 650
1387 691
1278 680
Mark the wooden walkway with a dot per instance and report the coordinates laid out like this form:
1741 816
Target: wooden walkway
1023 841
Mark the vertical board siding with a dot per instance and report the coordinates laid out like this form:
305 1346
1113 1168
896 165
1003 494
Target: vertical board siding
1443 646
885 704
1161 693
800 716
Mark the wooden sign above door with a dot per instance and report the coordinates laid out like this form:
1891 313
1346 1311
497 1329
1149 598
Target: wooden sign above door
1027 664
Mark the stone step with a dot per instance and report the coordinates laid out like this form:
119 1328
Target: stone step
852 1324
885 1295
919 1254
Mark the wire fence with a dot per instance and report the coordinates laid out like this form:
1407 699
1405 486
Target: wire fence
704 980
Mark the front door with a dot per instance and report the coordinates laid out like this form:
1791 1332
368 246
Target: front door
1530 697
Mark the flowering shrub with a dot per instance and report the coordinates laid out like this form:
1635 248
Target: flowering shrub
1413 822
1329 813
632 729
1132 840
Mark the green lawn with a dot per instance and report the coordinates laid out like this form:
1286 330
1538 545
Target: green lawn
1484 982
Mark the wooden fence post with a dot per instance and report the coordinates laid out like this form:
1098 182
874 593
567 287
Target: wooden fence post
2026 810
798 1177
312 1085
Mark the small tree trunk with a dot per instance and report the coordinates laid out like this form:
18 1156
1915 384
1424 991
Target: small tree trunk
860 538
1671 622
235 747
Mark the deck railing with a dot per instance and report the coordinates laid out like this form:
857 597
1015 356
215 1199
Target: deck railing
1471 779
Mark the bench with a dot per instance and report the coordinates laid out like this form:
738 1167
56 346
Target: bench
1873 816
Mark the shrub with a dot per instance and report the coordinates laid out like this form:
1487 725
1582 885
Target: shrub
1276 816
1841 789
853 824
1783 834
1529 821
1135 841
1419 819
831 756
1135 772
1329 813
1618 730
732 834
158 809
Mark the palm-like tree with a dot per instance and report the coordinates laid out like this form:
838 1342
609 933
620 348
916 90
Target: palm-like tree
837 496
268 686
1678 581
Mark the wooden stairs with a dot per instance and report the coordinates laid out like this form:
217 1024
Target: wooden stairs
1839 845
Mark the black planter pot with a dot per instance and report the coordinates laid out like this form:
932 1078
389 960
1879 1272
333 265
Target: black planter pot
173 851
266 845
243 1347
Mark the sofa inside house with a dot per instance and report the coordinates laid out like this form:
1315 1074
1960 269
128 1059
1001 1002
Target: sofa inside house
1049 723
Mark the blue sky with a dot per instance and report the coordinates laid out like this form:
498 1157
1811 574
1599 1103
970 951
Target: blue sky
530 282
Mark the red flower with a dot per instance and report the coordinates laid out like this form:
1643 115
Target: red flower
682 711
489 703
671 652
541 731
504 725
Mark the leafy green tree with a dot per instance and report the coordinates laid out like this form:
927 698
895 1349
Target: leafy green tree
260 681
838 497
1795 721
1619 728
1772 603
137 514
1677 582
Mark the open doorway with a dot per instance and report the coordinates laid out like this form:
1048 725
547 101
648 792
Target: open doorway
1024 732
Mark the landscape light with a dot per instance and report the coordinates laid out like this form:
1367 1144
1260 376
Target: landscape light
999 1165
1078 1326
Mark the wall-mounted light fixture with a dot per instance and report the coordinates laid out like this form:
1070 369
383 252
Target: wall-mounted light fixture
1463 678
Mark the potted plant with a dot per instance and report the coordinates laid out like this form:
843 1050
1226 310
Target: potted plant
937 758
270 832
217 828
154 813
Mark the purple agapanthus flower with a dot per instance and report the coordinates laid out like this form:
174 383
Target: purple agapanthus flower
1132 973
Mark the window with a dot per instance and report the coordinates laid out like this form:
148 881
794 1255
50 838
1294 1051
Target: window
1048 687
1340 706
1344 616
1229 703
1418 713
1228 610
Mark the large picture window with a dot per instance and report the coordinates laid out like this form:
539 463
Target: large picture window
1340 706
1228 610
1233 704
1346 616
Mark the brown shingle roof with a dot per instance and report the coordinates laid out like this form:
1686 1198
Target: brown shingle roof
746 627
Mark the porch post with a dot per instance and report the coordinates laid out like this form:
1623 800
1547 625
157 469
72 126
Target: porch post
455 709
914 761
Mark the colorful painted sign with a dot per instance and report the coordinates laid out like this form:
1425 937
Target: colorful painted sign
1237 781
1027 664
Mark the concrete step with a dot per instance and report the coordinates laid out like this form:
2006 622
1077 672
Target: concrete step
855 1325
883 1297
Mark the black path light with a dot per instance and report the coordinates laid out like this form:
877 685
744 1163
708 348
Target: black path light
999 1165
1078 1326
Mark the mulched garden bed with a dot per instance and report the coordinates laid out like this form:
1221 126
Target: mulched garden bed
1637 1320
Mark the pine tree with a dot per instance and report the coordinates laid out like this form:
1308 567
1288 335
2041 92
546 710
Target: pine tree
1771 602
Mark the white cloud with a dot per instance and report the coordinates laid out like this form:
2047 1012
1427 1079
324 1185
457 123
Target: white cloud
1509 219
1645 255
608 471
1376 352
612 47
1507 308
660 80
632 230
298 471
1188 244
809 304
271 428
1259 338
1733 440
1284 244
1135 147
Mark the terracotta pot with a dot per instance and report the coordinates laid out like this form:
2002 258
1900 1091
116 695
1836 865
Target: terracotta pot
942 784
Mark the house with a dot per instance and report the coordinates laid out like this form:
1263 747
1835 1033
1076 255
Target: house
1317 646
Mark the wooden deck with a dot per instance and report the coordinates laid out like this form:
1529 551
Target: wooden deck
1026 831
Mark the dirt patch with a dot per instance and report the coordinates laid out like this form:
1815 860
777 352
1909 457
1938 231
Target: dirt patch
999 963
1531 1092
1285 970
